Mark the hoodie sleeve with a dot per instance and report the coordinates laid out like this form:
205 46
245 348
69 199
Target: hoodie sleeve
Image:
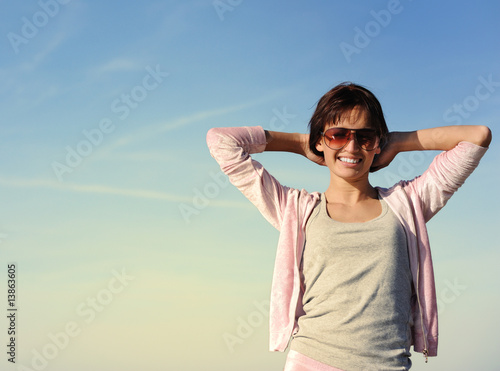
231 148
446 174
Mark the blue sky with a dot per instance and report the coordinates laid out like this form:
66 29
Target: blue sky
105 172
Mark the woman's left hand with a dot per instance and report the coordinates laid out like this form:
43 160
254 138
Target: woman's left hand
387 153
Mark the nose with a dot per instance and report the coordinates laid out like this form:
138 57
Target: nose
352 145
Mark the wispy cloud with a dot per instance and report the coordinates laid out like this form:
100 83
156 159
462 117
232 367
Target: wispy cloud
64 24
19 80
51 46
115 191
90 188
117 65
140 156
152 131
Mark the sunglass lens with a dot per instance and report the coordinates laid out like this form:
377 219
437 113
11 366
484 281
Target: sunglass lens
367 139
337 137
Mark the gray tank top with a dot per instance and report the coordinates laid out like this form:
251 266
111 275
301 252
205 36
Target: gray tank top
357 293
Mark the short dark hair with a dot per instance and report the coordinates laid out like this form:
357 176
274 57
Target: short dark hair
341 100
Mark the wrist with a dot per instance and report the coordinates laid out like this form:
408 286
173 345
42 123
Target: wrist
404 141
285 142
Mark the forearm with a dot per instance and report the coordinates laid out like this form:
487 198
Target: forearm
284 142
441 138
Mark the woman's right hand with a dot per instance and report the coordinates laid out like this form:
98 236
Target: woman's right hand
306 151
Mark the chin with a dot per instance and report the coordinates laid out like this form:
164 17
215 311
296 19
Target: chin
351 174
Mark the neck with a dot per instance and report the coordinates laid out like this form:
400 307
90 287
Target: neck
349 192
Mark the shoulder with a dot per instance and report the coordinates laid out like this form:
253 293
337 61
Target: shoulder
306 202
299 201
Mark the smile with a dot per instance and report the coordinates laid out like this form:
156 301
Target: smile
350 160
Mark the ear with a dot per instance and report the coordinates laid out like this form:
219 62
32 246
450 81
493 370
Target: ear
319 146
378 150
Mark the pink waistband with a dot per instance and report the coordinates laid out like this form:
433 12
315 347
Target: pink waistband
296 361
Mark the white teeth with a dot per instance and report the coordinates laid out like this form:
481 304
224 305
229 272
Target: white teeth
349 160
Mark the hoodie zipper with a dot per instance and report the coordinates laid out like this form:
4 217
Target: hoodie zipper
425 352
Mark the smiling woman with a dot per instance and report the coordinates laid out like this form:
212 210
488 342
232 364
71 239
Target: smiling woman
348 254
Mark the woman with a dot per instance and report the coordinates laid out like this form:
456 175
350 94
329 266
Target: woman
353 283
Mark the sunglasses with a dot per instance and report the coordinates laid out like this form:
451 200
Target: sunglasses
337 138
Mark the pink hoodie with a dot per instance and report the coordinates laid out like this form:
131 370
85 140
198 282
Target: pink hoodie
414 202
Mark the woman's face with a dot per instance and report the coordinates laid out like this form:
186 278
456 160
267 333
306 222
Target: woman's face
350 162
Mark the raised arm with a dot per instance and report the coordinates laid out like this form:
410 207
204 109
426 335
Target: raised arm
291 142
440 138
